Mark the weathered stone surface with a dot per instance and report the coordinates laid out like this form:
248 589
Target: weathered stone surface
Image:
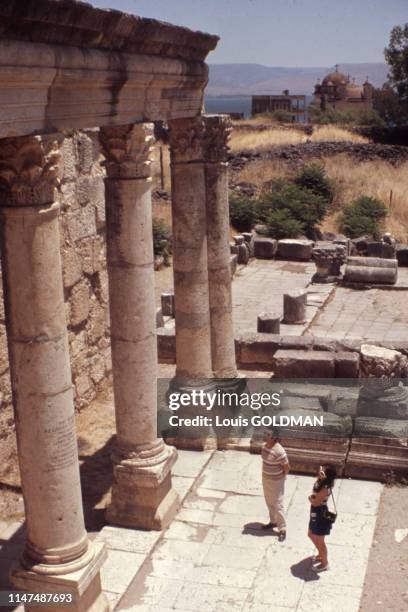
347 365
167 304
256 349
233 264
159 317
402 254
268 322
303 364
243 253
377 427
380 249
79 303
298 250
166 345
249 239
265 248
294 307
328 259
371 270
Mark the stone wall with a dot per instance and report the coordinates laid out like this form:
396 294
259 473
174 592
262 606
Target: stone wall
83 251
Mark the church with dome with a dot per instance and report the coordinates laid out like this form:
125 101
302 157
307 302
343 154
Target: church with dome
338 91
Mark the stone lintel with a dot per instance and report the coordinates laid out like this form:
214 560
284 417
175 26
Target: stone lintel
46 87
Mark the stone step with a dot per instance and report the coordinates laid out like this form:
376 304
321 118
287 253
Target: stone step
304 364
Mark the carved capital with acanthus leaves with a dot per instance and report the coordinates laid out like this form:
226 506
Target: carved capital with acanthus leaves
29 170
127 150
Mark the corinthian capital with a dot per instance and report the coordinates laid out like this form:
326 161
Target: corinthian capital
127 150
29 170
217 132
203 138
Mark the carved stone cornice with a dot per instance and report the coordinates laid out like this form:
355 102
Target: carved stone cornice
127 150
29 170
204 138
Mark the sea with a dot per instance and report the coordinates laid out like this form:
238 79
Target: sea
233 104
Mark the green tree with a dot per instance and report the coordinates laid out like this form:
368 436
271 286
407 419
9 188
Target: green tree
396 55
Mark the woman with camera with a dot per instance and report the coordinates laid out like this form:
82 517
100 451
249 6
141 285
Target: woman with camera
321 519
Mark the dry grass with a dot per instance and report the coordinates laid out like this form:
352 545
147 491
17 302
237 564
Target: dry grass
377 178
332 133
262 140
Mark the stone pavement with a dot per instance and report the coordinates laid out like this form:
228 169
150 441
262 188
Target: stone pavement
373 314
259 287
214 557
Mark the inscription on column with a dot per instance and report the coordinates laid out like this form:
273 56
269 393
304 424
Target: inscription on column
62 444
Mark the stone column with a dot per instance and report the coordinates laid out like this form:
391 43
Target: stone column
57 554
190 269
192 314
142 495
217 130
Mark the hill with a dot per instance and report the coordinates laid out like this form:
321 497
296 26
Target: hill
245 79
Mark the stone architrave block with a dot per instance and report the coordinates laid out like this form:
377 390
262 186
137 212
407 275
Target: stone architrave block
268 323
265 248
298 250
294 307
167 304
304 364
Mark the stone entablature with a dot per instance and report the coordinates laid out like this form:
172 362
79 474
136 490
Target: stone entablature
133 69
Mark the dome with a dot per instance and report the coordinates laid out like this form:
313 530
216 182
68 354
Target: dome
335 78
354 91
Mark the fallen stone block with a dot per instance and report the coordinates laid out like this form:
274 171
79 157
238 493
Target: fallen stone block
402 254
380 249
249 240
303 364
243 254
234 264
347 365
167 303
265 248
268 323
294 307
257 349
159 318
298 250
166 345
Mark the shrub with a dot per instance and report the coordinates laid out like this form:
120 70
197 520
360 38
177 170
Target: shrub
282 116
314 177
299 204
242 210
281 224
363 216
161 239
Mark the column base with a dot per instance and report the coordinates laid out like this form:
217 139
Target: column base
142 493
84 585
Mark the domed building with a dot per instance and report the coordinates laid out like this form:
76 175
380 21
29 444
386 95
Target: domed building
339 92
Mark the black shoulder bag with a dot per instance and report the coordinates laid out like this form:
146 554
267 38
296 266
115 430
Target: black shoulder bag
331 516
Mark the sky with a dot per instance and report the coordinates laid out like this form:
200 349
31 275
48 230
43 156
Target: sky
296 33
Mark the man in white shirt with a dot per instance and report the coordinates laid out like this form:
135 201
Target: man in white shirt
275 467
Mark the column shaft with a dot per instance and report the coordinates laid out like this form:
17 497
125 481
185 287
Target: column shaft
141 495
218 229
193 341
